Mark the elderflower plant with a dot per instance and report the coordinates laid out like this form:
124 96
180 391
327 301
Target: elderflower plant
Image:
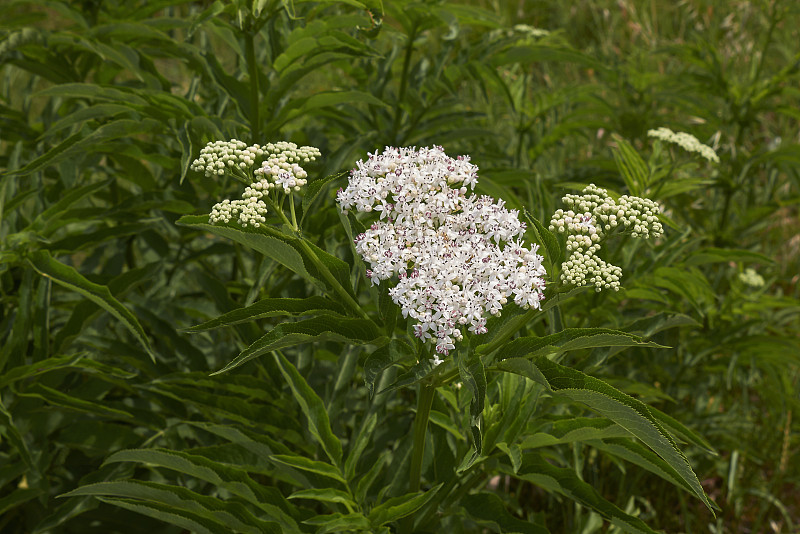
751 278
280 171
686 141
457 256
590 217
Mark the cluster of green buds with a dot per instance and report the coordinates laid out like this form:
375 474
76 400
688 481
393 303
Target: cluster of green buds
686 141
589 218
751 278
279 170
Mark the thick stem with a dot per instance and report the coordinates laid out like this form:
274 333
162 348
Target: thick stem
252 71
424 403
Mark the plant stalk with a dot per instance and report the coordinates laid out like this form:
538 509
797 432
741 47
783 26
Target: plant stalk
252 71
424 403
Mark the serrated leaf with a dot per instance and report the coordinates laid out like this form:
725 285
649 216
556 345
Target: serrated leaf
489 507
571 339
572 430
565 481
624 410
323 328
313 408
271 247
631 166
272 307
68 277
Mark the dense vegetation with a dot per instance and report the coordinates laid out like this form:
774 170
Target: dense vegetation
671 404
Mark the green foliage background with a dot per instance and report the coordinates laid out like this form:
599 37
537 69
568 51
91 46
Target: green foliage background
107 397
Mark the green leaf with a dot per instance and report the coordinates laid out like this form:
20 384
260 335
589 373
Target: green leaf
489 507
565 481
548 242
70 402
234 480
68 277
318 423
312 466
271 247
359 445
572 430
725 255
12 435
631 166
571 339
384 357
80 143
473 375
624 410
154 499
272 307
325 495
314 188
399 507
339 523
323 328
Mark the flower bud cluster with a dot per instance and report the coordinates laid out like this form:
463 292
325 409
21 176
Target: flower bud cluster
751 278
280 168
686 141
282 164
443 245
589 218
217 156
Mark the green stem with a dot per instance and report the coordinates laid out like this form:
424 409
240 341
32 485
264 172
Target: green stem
404 77
326 273
250 54
424 403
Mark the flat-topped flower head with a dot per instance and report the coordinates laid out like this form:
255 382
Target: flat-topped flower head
588 219
686 141
458 257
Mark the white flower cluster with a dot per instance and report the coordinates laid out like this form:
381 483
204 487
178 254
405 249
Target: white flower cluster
751 278
280 168
686 141
589 217
215 157
282 164
444 246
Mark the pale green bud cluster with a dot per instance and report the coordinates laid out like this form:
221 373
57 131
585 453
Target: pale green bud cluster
280 169
686 141
589 218
282 165
751 278
218 156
